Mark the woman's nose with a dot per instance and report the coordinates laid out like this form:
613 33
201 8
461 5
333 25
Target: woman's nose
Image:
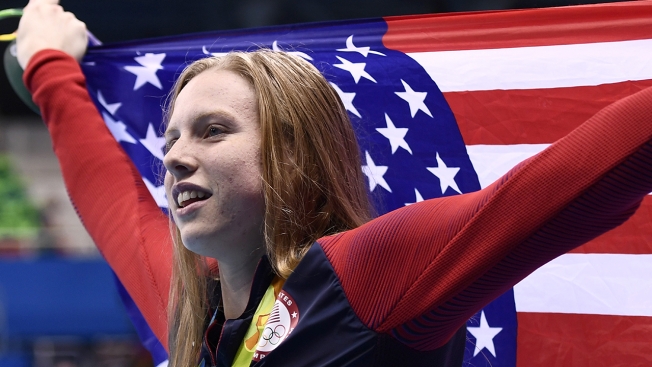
179 160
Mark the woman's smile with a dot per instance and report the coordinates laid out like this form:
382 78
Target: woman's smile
185 193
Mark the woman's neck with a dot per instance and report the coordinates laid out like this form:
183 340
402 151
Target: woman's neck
235 282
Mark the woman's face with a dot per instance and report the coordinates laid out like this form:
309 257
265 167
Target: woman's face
213 161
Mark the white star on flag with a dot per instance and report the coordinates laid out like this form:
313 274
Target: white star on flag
158 193
347 100
396 136
419 198
375 174
118 129
484 336
445 174
414 99
111 107
364 51
216 54
296 53
146 73
356 69
153 142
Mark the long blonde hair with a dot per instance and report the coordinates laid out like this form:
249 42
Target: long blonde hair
311 172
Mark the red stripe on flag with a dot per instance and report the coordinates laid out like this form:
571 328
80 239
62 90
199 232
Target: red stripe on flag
531 116
632 237
573 340
520 28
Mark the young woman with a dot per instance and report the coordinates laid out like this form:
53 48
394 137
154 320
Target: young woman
263 176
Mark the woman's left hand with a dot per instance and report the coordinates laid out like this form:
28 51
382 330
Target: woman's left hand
45 25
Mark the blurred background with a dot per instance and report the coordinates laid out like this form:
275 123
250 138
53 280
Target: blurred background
58 300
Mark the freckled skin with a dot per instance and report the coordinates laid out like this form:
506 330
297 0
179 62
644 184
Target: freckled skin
214 134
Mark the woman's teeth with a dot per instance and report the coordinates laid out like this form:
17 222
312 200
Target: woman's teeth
187 195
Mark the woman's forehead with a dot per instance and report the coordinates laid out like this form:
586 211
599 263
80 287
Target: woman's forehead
214 92
215 88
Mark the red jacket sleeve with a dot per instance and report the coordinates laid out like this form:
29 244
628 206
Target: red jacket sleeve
106 189
420 272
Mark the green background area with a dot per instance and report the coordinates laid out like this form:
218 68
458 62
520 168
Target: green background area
19 217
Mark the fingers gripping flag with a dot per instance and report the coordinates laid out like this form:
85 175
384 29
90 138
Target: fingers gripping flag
443 105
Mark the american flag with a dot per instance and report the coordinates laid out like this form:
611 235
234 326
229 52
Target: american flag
444 105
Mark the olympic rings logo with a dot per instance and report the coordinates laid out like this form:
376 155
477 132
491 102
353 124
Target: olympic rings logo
272 336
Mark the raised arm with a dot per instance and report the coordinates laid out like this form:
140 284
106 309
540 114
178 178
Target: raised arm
106 189
420 272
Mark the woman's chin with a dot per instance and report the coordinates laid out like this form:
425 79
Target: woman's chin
201 245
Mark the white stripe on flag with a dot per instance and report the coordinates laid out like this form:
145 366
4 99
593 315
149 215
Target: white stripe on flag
597 284
538 67
493 161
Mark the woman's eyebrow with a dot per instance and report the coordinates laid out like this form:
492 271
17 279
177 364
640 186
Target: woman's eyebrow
212 114
201 117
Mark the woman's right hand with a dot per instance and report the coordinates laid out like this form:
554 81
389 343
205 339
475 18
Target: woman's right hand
44 25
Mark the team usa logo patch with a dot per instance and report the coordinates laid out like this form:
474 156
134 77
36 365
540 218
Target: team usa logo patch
282 320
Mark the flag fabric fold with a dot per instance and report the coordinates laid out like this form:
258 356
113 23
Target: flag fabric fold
443 105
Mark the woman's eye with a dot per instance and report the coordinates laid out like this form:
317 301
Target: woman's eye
169 145
214 130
